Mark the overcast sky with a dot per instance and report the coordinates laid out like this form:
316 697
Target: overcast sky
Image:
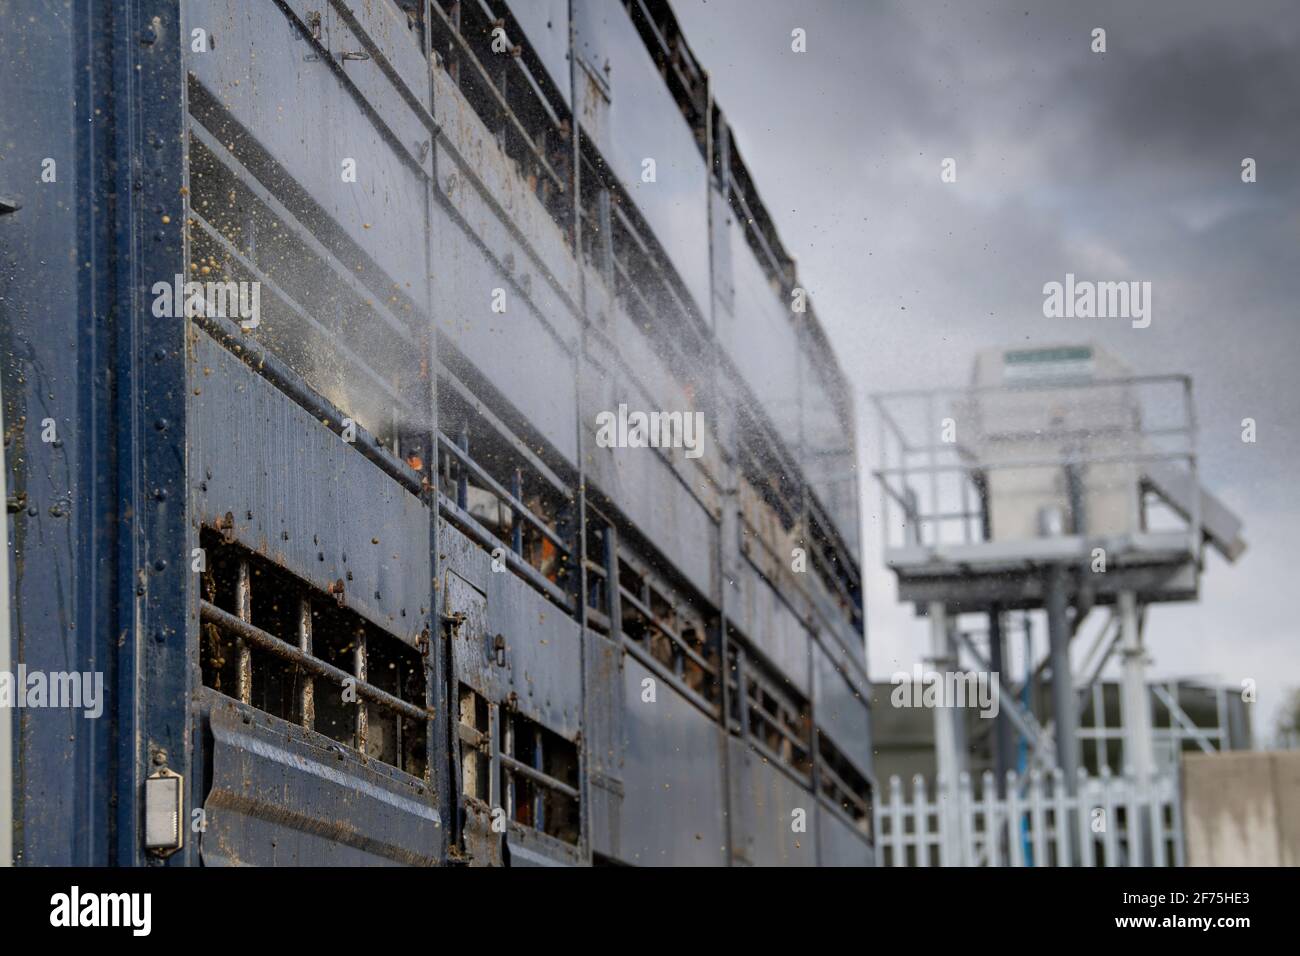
1122 165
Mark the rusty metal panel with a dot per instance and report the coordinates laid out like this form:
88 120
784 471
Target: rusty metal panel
842 711
760 339
483 186
672 777
542 671
846 645
471 648
847 650
528 848
603 739
641 371
830 461
644 485
283 796
378 26
764 802
839 844
721 219
546 27
516 350
623 104
775 630
302 496
274 84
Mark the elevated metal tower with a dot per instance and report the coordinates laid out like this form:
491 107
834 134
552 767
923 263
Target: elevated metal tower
1057 481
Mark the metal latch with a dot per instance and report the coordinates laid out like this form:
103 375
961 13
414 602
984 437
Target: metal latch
164 805
499 650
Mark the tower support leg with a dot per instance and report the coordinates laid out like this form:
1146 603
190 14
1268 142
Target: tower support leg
1064 703
947 753
1002 726
1135 712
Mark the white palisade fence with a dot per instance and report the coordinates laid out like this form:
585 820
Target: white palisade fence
1109 821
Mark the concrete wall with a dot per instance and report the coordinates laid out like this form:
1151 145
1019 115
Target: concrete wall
1242 809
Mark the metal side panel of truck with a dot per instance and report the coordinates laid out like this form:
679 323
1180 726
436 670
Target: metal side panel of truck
311 315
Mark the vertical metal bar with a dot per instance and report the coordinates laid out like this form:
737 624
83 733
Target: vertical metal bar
1076 494
1176 821
494 794
742 691
604 240
1192 464
359 670
1016 842
1062 813
439 680
1002 722
453 58
6 718
965 508
566 524
508 748
1156 810
1087 847
503 84
580 553
1109 834
613 595
243 654
539 792
516 522
1135 712
157 596
895 813
921 821
1133 827
966 813
307 690
1064 701
911 518
1221 719
575 161
946 751
581 585
1037 820
1099 720
462 479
